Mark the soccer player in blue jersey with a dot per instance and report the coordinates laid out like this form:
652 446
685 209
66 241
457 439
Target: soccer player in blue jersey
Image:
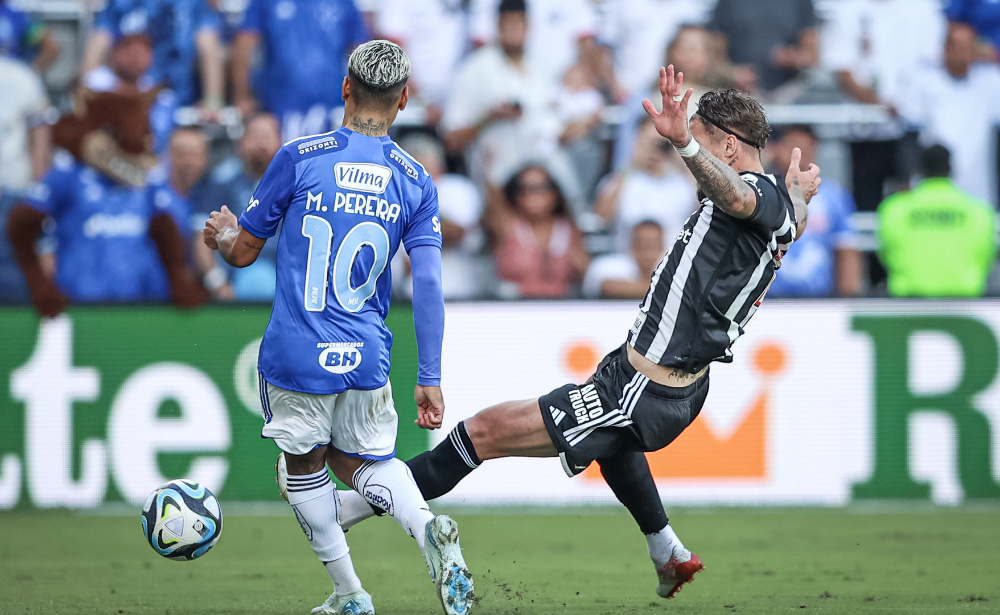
345 201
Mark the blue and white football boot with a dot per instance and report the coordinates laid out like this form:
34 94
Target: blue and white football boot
356 603
447 566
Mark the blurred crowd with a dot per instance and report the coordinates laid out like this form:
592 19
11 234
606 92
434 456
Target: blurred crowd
552 183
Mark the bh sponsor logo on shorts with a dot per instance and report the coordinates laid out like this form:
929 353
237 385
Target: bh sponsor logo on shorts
586 403
380 496
340 357
362 176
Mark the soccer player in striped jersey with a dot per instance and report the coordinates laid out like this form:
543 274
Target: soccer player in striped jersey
702 294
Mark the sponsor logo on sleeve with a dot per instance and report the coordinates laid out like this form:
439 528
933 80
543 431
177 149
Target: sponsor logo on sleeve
405 164
362 176
329 142
752 180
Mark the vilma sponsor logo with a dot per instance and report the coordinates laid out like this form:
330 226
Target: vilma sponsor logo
363 177
340 357
377 495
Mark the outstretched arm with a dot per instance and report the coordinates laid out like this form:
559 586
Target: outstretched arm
717 180
428 322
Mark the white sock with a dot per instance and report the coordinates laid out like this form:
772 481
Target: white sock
389 485
341 571
661 545
315 503
354 509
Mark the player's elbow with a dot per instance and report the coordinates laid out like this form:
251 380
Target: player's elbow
740 205
427 284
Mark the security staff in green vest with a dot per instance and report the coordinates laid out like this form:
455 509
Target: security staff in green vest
936 241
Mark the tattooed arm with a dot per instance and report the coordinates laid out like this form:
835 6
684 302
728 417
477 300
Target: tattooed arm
717 180
722 184
237 246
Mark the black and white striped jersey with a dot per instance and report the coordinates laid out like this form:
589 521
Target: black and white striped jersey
713 279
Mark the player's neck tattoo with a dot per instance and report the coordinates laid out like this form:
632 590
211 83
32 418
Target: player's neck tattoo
368 127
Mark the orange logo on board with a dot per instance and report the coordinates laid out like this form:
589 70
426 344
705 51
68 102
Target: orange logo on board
699 453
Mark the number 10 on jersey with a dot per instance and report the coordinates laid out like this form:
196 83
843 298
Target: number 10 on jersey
319 273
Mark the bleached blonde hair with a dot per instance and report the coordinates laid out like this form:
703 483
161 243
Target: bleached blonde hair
379 65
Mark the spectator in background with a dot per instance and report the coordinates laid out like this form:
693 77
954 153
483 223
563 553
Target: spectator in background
825 261
188 161
126 72
983 16
432 32
232 183
958 106
875 47
26 38
579 105
185 40
769 41
111 244
25 135
637 33
627 276
305 44
655 186
562 33
502 108
461 207
539 249
937 241
690 52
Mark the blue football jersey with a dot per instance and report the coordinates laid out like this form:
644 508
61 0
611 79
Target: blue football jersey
345 202
103 248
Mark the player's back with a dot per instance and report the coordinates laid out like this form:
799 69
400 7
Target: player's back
347 202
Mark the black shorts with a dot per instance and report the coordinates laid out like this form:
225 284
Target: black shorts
618 409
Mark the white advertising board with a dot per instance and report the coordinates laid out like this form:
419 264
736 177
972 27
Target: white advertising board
825 402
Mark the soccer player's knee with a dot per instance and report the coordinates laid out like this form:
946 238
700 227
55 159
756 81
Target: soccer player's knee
310 463
343 467
482 429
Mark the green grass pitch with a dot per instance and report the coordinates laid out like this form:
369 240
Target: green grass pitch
579 561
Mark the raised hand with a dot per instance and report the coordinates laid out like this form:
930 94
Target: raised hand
804 182
672 122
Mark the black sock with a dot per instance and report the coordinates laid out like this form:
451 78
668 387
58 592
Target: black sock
437 471
627 473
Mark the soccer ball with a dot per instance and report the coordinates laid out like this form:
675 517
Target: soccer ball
182 520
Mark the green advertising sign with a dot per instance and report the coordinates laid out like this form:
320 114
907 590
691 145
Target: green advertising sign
102 404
